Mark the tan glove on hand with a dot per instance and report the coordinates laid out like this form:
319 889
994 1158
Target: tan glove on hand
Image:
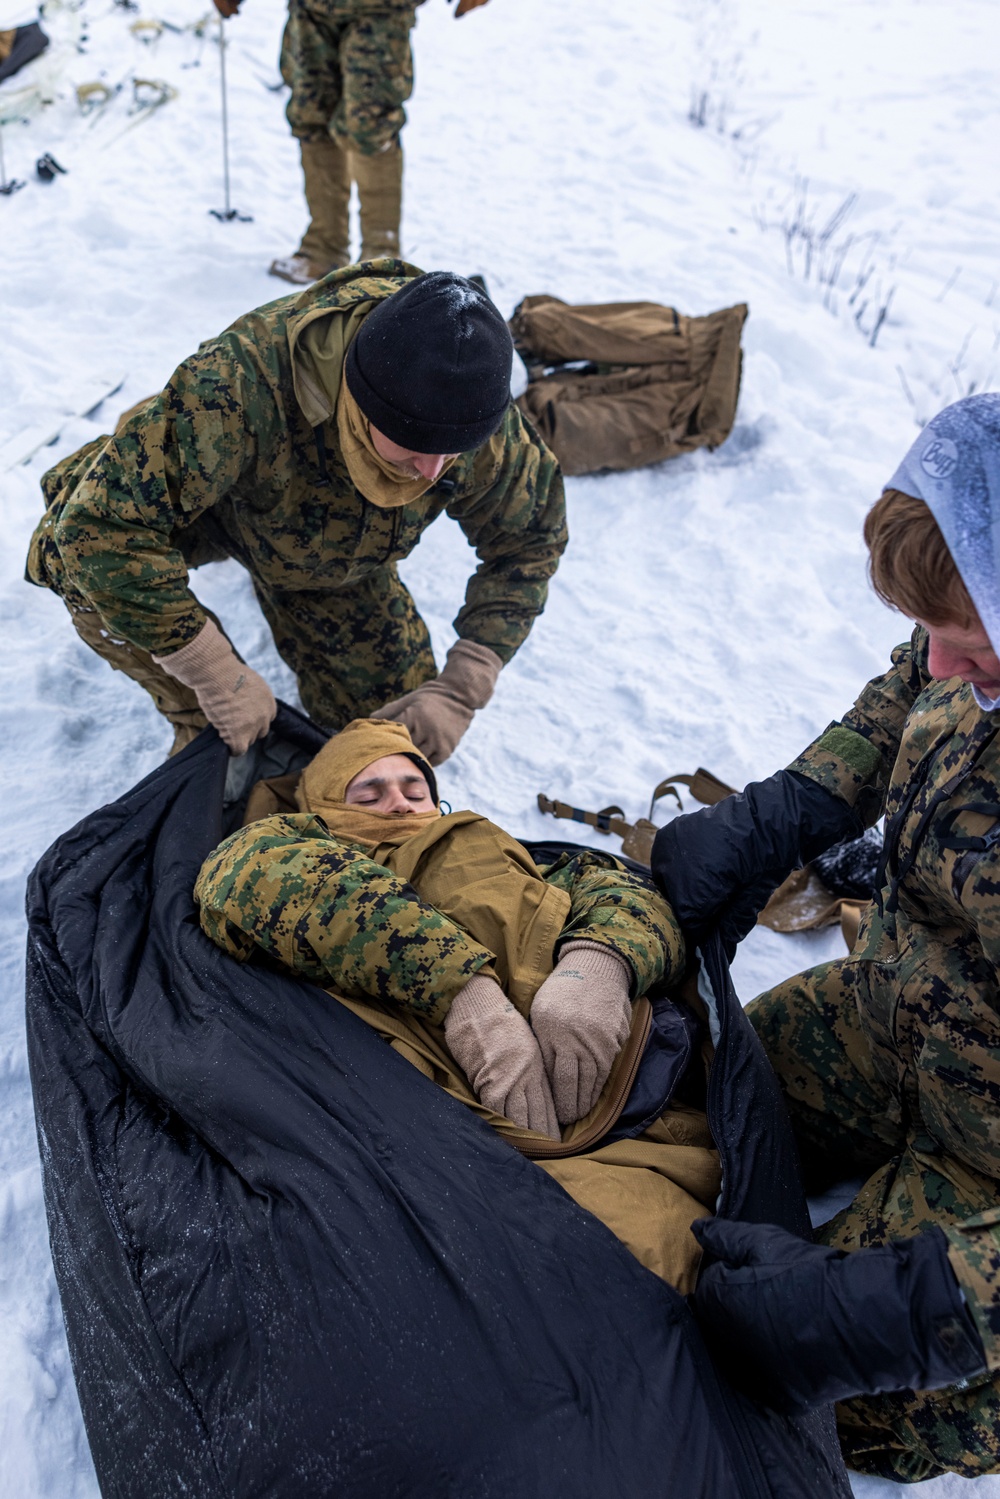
438 713
494 1046
581 1016
233 697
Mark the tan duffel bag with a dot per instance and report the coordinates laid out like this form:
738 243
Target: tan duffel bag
619 385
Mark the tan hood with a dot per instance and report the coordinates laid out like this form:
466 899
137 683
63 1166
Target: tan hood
325 780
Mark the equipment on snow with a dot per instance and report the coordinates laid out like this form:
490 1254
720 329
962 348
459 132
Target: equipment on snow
719 867
227 214
798 1324
258 1209
94 97
147 31
619 385
19 47
148 96
23 447
11 186
47 167
832 886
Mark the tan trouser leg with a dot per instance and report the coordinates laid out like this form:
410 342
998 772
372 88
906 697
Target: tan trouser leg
380 190
327 175
177 703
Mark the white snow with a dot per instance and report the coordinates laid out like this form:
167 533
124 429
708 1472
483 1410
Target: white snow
711 611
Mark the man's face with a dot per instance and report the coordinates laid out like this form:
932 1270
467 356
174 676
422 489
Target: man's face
964 651
392 784
414 465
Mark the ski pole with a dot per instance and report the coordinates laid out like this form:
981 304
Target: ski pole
6 188
225 215
225 110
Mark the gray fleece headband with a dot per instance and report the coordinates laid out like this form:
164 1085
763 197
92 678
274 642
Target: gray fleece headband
954 467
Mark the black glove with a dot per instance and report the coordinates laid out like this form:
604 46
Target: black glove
719 867
796 1324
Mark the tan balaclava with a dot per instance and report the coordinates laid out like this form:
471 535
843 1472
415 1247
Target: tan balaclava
474 873
324 782
380 481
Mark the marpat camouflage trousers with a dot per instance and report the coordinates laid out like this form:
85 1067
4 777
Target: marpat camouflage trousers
350 70
847 1123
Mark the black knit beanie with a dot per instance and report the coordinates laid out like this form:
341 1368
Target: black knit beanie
430 365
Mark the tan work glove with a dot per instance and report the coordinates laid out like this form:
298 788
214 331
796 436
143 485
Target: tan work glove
438 713
233 697
581 1016
494 1046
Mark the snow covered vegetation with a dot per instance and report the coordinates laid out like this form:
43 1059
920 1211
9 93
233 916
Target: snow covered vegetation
833 166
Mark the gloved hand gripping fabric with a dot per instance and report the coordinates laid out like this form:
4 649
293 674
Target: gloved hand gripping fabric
720 866
495 1048
232 696
798 1324
438 713
581 1016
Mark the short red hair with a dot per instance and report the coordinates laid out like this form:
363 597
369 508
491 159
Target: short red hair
910 566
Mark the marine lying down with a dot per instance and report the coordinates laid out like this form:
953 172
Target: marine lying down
519 990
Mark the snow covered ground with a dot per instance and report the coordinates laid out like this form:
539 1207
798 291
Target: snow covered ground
711 611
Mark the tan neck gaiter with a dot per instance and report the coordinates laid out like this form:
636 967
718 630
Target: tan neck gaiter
380 481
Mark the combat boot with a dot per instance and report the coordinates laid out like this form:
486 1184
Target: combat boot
380 192
325 244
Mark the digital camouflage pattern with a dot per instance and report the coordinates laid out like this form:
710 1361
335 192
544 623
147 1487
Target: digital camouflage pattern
620 910
890 1058
352 650
320 907
847 1122
856 757
223 463
349 66
284 887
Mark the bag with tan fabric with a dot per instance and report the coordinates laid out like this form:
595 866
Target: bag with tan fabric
834 888
617 385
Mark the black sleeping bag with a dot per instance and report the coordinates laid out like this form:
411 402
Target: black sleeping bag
291 1266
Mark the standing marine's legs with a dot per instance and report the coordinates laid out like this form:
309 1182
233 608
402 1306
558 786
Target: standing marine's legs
377 65
310 65
352 649
380 192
